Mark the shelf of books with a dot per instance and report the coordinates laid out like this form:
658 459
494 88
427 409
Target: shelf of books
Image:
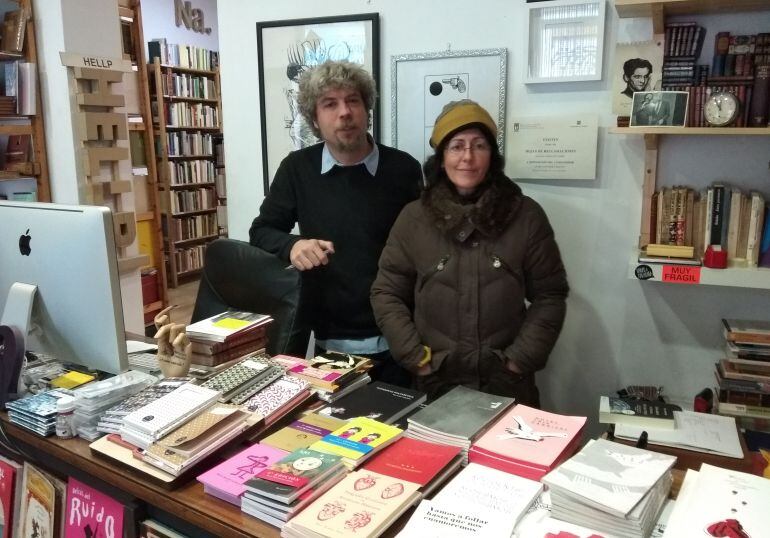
188 131
672 272
712 131
23 160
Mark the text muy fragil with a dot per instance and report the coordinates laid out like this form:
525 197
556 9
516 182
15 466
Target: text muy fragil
85 508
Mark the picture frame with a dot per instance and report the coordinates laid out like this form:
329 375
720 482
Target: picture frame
565 41
659 109
285 49
422 83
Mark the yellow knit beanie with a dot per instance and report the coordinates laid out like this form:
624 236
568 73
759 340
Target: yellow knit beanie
458 114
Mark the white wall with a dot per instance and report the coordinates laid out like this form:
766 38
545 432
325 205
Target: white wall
618 331
159 20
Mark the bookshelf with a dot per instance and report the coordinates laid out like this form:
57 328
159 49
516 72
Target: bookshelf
187 124
32 173
659 10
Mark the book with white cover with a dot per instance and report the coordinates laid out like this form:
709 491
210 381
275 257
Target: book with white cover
491 490
610 476
722 502
166 413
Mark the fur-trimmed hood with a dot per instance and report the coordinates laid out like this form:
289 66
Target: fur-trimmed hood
491 211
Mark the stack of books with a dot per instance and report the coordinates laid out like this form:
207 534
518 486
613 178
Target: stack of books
528 442
379 401
225 481
358 440
37 413
721 502
332 375
479 501
151 422
227 336
198 437
427 464
303 432
278 398
363 504
245 378
278 492
112 419
611 487
743 374
457 418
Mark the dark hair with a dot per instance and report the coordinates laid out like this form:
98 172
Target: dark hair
435 173
629 66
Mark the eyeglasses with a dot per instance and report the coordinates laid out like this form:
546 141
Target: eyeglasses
458 148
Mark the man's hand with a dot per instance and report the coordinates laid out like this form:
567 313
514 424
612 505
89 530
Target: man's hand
309 253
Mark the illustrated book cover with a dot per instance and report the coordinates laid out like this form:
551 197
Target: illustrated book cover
287 478
229 476
641 413
379 401
363 504
303 432
91 512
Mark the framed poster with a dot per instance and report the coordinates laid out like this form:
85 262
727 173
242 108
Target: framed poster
421 84
286 49
565 41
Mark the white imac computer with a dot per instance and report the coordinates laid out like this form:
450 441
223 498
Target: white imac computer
68 253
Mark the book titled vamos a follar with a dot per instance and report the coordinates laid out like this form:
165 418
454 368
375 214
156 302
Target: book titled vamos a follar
91 512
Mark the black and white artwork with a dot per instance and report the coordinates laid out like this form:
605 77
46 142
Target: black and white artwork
659 109
637 68
288 48
422 84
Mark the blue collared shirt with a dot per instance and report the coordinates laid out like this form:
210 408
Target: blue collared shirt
371 161
373 344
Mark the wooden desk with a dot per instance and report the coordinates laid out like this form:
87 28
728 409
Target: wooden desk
188 502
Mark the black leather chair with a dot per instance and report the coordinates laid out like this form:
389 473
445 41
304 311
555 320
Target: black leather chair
238 275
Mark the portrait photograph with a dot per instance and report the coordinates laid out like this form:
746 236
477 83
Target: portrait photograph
637 68
659 109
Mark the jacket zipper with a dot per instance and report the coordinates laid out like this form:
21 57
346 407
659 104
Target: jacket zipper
439 267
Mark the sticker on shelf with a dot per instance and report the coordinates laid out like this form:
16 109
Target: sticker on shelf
680 274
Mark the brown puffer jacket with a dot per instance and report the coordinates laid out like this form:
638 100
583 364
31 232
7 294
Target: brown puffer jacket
481 283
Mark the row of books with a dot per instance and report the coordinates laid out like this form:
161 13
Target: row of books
743 374
186 56
189 144
738 54
183 114
195 227
186 85
185 201
683 39
720 216
191 172
189 258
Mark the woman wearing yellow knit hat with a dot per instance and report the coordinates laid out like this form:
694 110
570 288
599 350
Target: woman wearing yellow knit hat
471 288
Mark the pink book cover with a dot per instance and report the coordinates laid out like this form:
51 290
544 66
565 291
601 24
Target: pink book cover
91 513
230 475
302 366
531 436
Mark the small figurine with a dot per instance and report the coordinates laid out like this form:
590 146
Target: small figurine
174 347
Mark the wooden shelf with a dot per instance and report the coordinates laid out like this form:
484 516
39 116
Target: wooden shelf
192 157
203 72
713 131
648 8
152 307
195 240
16 129
192 213
736 277
10 56
190 128
190 99
188 186
189 272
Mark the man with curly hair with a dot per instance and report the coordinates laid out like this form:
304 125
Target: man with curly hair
344 194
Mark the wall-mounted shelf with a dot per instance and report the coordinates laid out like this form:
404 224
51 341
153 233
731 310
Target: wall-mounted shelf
737 277
708 131
658 10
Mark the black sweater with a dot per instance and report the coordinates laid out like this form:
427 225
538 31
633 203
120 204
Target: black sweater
348 207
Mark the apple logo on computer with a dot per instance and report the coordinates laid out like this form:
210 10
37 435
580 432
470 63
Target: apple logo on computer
24 240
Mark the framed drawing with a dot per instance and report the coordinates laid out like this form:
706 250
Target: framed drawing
659 109
565 41
421 84
287 48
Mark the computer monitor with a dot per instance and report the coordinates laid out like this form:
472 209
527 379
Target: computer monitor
68 252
